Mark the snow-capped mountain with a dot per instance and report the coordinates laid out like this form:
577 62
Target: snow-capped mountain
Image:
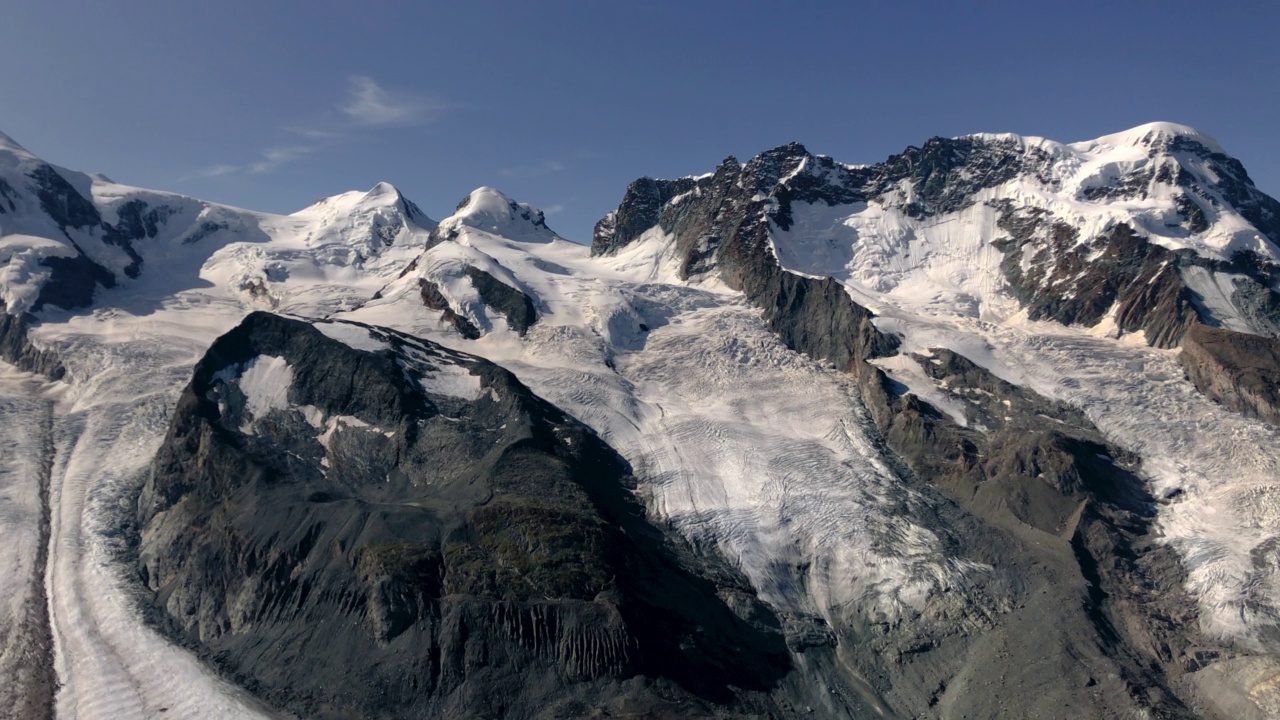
985 429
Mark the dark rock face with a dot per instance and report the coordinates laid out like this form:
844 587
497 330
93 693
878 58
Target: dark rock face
204 230
72 282
435 300
1257 303
1083 605
8 196
1233 183
722 224
1078 283
515 305
16 347
136 222
1238 370
941 177
466 556
946 173
817 317
62 202
1096 619
74 279
646 197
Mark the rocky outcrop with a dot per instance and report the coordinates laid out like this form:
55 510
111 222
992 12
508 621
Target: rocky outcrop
1232 182
1083 603
1085 589
1238 370
464 547
433 298
514 305
72 282
1057 277
61 201
16 347
642 210
721 224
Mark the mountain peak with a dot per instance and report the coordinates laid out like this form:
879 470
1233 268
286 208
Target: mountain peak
384 190
9 144
489 210
791 149
380 196
1155 134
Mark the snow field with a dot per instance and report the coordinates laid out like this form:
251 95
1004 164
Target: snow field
735 441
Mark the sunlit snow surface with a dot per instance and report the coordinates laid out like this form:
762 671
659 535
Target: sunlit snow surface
127 360
938 282
736 441
742 443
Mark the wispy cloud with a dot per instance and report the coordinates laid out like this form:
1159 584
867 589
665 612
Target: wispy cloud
268 161
365 108
371 105
557 208
214 171
535 170
274 158
313 133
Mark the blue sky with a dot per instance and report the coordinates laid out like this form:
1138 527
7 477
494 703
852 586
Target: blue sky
271 105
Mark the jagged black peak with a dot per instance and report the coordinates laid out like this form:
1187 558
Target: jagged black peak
61 201
786 173
643 200
944 174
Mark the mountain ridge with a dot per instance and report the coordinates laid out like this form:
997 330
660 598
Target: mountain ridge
926 410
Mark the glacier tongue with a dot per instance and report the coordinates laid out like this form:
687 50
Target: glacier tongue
125 373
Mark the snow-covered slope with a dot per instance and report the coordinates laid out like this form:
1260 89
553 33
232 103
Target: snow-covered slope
1021 254
918 247
973 243
139 284
740 442
67 237
941 278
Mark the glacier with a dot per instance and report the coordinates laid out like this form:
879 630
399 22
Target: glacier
740 443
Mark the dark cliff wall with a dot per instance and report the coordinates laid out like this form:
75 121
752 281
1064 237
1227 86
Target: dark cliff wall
455 558
1240 371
